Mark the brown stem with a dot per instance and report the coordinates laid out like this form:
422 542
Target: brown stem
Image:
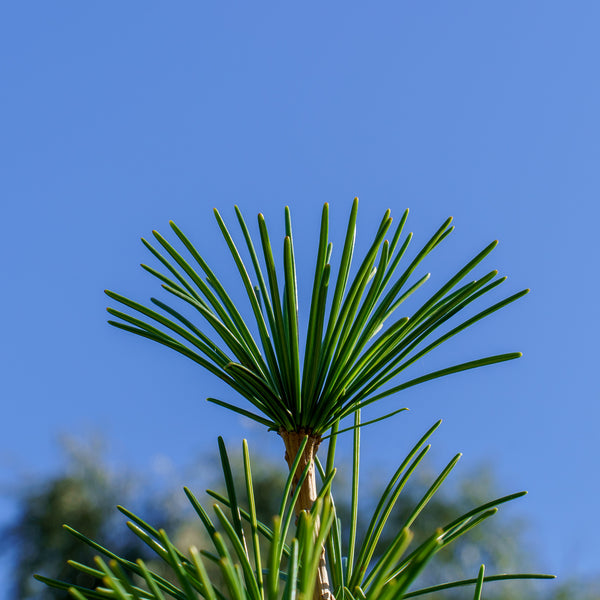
308 494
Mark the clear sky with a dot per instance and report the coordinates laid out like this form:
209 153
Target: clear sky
116 117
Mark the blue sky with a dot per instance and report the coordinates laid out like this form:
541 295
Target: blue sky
117 118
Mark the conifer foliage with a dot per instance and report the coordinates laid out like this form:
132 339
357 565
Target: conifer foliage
305 385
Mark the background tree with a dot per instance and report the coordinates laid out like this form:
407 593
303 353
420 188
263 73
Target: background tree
85 497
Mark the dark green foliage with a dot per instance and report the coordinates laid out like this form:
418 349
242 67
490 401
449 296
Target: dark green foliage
40 528
355 347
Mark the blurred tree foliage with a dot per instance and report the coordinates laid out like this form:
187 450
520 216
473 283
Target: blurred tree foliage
85 496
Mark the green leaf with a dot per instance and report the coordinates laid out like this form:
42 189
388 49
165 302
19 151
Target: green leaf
262 528
464 582
354 494
76 593
291 586
244 413
385 505
273 562
253 517
63 585
431 491
379 519
479 584
317 310
380 573
343 272
354 427
208 590
231 493
291 302
474 364
150 580
403 580
242 554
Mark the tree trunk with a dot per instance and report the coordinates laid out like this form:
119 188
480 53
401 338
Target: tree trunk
308 494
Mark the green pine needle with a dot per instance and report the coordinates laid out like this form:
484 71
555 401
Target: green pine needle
354 349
